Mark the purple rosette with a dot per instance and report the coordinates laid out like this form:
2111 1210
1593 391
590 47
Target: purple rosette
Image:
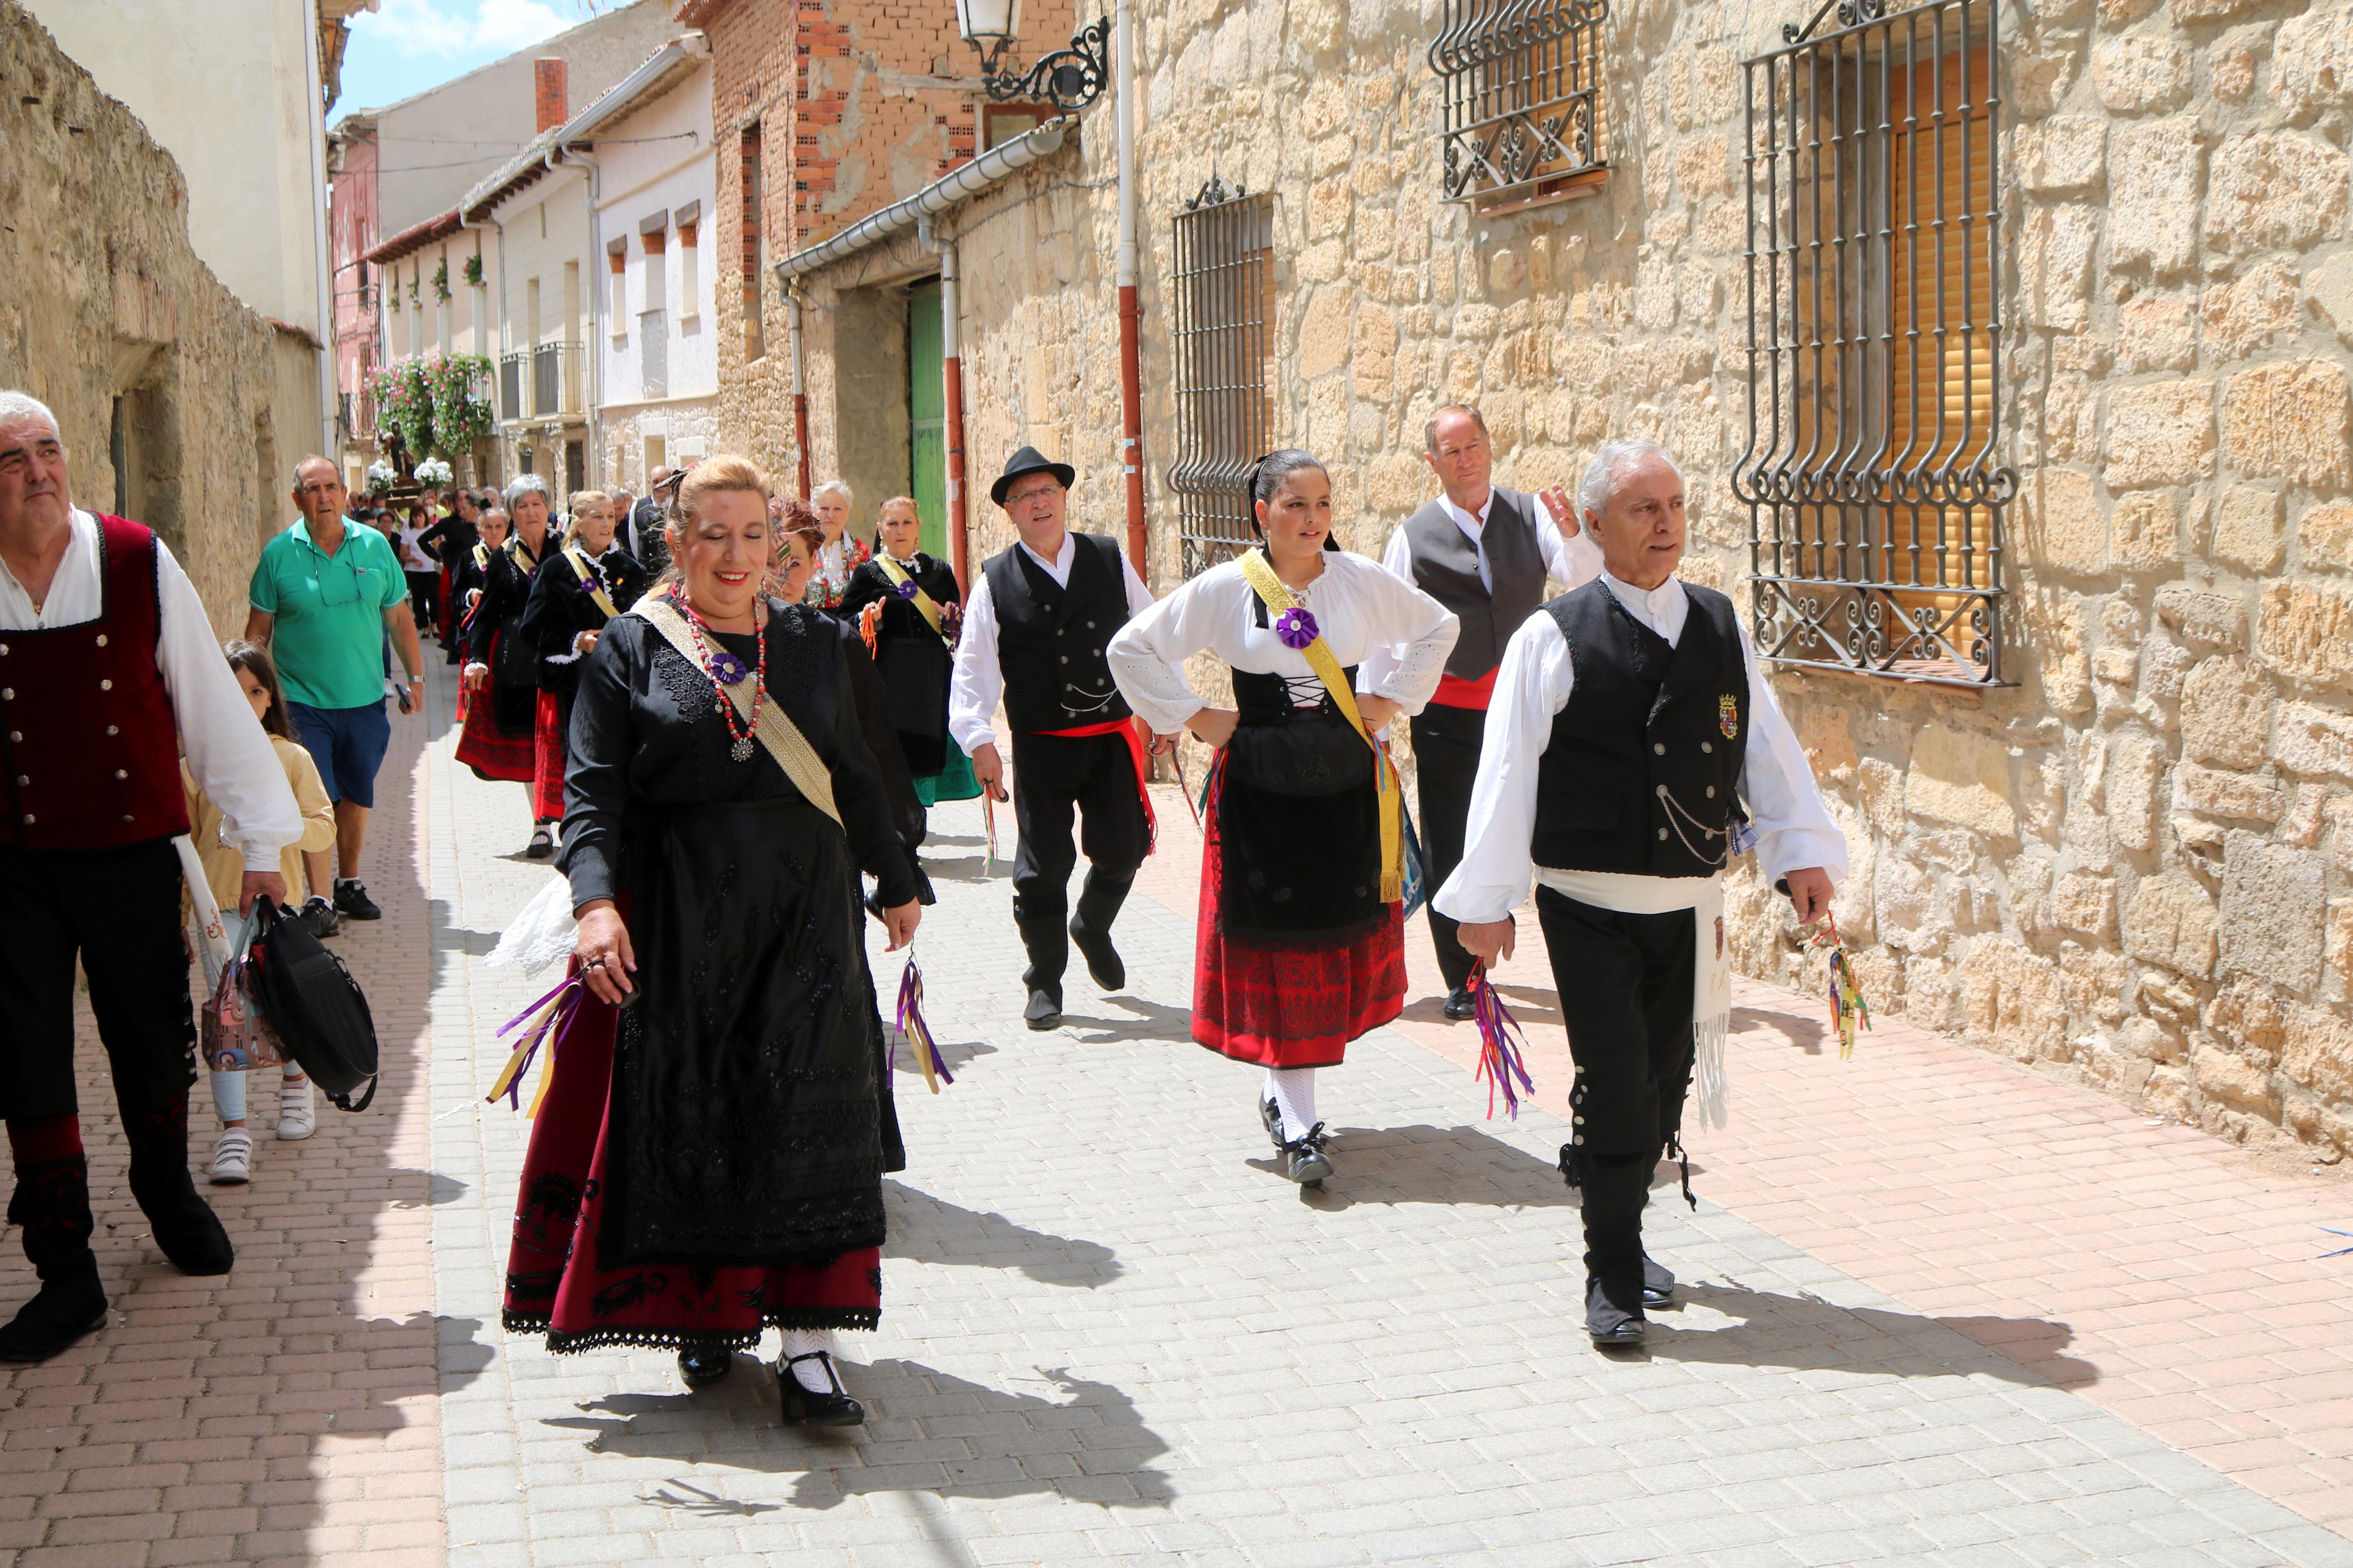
1296 628
907 590
726 668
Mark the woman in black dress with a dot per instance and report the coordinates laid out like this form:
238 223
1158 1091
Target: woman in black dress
906 607
501 678
714 1164
588 580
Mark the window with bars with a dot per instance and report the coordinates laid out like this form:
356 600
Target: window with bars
1520 107
1874 470
1223 293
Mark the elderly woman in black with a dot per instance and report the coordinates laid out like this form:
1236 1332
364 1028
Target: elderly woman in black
501 678
707 1161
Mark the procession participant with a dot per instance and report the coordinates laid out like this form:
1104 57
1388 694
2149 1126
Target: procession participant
843 553
1040 616
447 543
640 532
108 674
714 1164
501 679
1300 946
589 580
1483 552
1628 721
906 606
493 530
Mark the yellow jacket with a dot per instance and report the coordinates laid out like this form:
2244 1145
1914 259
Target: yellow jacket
225 865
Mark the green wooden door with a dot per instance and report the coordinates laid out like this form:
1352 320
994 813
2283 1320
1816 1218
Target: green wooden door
927 445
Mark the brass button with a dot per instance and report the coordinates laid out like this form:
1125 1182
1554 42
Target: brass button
106 685
114 729
16 734
128 817
101 640
3 650
1711 792
121 773
1066 658
29 819
1663 792
22 781
1707 745
1660 747
8 693
1662 833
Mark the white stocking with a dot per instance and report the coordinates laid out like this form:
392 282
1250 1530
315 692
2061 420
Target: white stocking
228 1095
808 1342
1293 1090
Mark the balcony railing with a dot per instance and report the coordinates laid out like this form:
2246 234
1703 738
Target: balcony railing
511 386
653 356
543 382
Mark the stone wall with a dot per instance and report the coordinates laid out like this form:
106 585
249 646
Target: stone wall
106 299
2133 866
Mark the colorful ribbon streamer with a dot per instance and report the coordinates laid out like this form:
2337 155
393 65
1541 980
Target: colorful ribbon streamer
1849 1011
538 1022
918 1031
1503 1046
988 823
1177 756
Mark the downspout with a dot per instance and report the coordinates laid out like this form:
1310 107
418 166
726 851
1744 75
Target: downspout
800 389
559 157
951 401
1131 371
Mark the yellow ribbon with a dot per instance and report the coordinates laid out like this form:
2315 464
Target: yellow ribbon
1259 572
588 575
923 601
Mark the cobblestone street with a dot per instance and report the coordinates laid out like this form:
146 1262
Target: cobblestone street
1937 1310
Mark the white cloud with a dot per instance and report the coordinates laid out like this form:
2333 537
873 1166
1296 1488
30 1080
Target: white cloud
436 28
505 24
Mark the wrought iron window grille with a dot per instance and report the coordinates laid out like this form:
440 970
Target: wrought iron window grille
1222 288
1873 474
1520 107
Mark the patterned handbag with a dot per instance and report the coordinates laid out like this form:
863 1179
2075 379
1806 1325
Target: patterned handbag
235 1032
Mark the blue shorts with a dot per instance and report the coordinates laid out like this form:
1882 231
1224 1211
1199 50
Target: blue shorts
348 744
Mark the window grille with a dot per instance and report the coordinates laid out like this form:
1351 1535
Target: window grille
1873 476
1520 112
1223 290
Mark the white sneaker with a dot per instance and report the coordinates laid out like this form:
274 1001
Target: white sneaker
297 1118
233 1158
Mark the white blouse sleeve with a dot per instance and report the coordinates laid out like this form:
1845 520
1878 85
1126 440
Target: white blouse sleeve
1148 655
1416 629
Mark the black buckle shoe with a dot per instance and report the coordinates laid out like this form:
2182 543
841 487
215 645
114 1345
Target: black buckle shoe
701 1365
64 1309
543 841
1460 1004
352 899
188 1230
1658 1283
1045 1009
1271 1114
1305 1161
1103 965
1607 1321
803 1407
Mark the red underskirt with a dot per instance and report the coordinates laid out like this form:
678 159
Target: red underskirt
547 759
1286 1007
492 753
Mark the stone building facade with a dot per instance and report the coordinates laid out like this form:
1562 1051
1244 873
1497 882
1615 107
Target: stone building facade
115 324
2131 860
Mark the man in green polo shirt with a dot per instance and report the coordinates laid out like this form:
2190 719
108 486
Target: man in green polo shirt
325 593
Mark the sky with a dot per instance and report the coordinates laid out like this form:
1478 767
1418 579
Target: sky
407 46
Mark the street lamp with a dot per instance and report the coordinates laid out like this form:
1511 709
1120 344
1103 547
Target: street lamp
991 27
1071 79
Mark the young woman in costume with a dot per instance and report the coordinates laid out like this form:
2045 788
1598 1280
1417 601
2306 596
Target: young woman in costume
501 679
905 604
1301 944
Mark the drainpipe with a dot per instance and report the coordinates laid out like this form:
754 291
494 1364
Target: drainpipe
800 389
1131 373
951 387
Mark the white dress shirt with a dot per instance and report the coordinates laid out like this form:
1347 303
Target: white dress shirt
1358 607
978 681
1571 562
1793 828
227 752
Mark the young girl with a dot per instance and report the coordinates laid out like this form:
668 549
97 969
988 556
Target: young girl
304 865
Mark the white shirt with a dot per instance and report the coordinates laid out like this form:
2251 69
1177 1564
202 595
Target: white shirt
978 681
229 753
1571 562
1793 828
1358 607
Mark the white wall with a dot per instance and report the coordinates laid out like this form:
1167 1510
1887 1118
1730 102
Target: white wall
658 160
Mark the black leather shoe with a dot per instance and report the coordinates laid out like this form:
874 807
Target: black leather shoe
1103 965
801 1407
1658 1283
1305 1161
1610 1323
543 841
705 1364
1045 1009
1271 1114
1459 1004
64 1309
188 1230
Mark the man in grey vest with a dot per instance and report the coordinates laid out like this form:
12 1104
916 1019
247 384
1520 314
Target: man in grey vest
1484 554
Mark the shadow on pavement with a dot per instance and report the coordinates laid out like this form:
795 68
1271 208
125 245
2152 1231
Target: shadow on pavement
1530 1005
925 1229
1802 1032
1152 1021
1425 1165
1805 1333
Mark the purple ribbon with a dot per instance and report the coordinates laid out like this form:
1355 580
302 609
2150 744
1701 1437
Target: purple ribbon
539 1032
1502 1064
911 1019
907 590
1296 627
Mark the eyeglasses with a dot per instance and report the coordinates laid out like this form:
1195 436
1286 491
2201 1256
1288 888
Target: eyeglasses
1023 497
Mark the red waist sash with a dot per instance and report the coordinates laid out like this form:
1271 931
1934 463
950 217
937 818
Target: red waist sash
1455 692
1126 729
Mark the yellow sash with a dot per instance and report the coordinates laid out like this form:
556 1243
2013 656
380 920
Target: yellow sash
588 576
1259 572
777 732
923 601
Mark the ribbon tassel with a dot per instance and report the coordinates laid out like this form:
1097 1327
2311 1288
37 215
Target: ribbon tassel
1849 1010
1503 1046
538 1022
918 1031
988 823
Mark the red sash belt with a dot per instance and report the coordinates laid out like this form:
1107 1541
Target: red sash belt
1455 692
1126 729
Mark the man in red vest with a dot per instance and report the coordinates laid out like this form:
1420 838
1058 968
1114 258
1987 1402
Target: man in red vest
109 674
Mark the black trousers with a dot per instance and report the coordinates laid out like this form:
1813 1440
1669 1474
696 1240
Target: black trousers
119 911
1054 777
1446 764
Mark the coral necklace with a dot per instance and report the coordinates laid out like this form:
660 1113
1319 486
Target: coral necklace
725 671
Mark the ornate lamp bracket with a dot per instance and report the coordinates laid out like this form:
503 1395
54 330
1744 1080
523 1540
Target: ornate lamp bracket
1070 78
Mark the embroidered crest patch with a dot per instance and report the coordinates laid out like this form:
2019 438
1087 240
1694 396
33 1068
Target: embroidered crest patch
1728 715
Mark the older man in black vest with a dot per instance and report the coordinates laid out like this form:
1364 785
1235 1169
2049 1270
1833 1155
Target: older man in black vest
1629 724
1034 633
1484 552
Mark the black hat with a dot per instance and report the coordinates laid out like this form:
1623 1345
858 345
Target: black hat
1028 460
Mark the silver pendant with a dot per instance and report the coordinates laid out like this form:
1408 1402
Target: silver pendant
742 750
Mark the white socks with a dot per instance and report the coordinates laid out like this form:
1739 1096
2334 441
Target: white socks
1293 1090
808 1342
228 1095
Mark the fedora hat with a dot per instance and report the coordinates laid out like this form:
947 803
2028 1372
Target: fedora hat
1028 460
